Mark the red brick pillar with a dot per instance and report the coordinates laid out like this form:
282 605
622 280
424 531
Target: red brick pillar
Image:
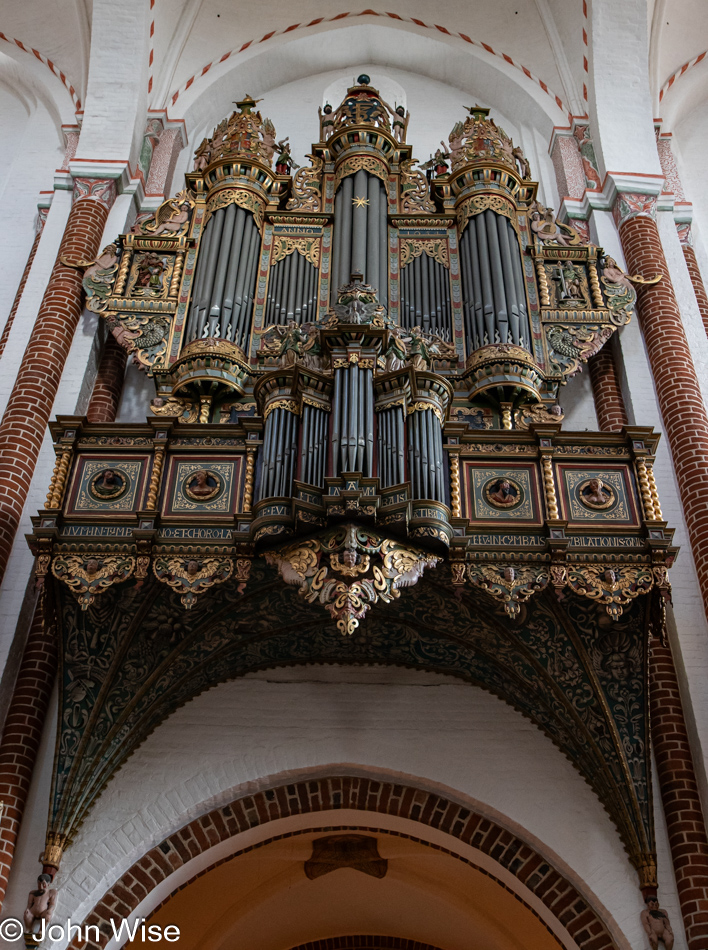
679 793
697 281
22 735
609 403
109 383
680 399
30 404
25 274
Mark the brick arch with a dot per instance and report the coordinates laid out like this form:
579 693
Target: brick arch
356 793
365 942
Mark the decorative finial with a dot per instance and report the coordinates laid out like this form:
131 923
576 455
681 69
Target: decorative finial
477 112
363 80
245 105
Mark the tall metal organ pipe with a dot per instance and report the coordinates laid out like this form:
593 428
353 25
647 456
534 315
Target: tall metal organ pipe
493 288
425 456
292 292
360 240
391 452
431 308
352 426
224 286
313 450
279 454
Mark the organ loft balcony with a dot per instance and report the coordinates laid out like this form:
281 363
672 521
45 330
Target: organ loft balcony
356 447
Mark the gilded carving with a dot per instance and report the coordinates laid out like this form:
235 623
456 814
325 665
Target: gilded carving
538 414
178 407
435 248
613 586
309 247
352 165
307 191
192 577
313 566
87 576
479 203
511 585
237 196
172 217
415 194
569 346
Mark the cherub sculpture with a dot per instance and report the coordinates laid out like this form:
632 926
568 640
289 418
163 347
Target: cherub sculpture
170 218
656 924
40 904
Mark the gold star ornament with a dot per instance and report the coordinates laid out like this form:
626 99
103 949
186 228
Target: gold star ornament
360 202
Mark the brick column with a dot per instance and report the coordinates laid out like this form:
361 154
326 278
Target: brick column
108 387
30 404
22 735
680 399
609 403
697 280
41 219
679 794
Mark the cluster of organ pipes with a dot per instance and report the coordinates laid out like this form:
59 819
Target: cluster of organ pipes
425 296
493 283
352 433
242 290
222 300
361 233
293 291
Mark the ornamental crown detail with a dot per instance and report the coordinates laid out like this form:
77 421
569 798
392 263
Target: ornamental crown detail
363 105
479 138
245 134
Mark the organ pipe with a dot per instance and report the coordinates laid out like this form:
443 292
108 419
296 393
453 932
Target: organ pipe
494 298
222 301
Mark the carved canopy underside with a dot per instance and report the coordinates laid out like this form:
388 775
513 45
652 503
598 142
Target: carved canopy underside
136 654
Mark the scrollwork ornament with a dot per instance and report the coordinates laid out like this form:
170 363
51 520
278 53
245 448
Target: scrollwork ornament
190 577
87 576
612 586
348 570
569 346
511 585
309 247
415 194
411 248
307 192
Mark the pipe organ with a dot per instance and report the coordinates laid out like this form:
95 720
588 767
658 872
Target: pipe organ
357 368
358 308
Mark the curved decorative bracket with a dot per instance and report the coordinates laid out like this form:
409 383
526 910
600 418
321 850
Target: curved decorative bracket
192 577
510 584
89 576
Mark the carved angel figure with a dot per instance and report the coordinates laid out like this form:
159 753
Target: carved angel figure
618 286
170 218
550 231
268 142
286 343
99 276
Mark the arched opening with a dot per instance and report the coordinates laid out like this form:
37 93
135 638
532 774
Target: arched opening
263 897
433 872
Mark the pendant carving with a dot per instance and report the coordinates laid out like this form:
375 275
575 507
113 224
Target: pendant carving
192 577
350 569
511 585
87 577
